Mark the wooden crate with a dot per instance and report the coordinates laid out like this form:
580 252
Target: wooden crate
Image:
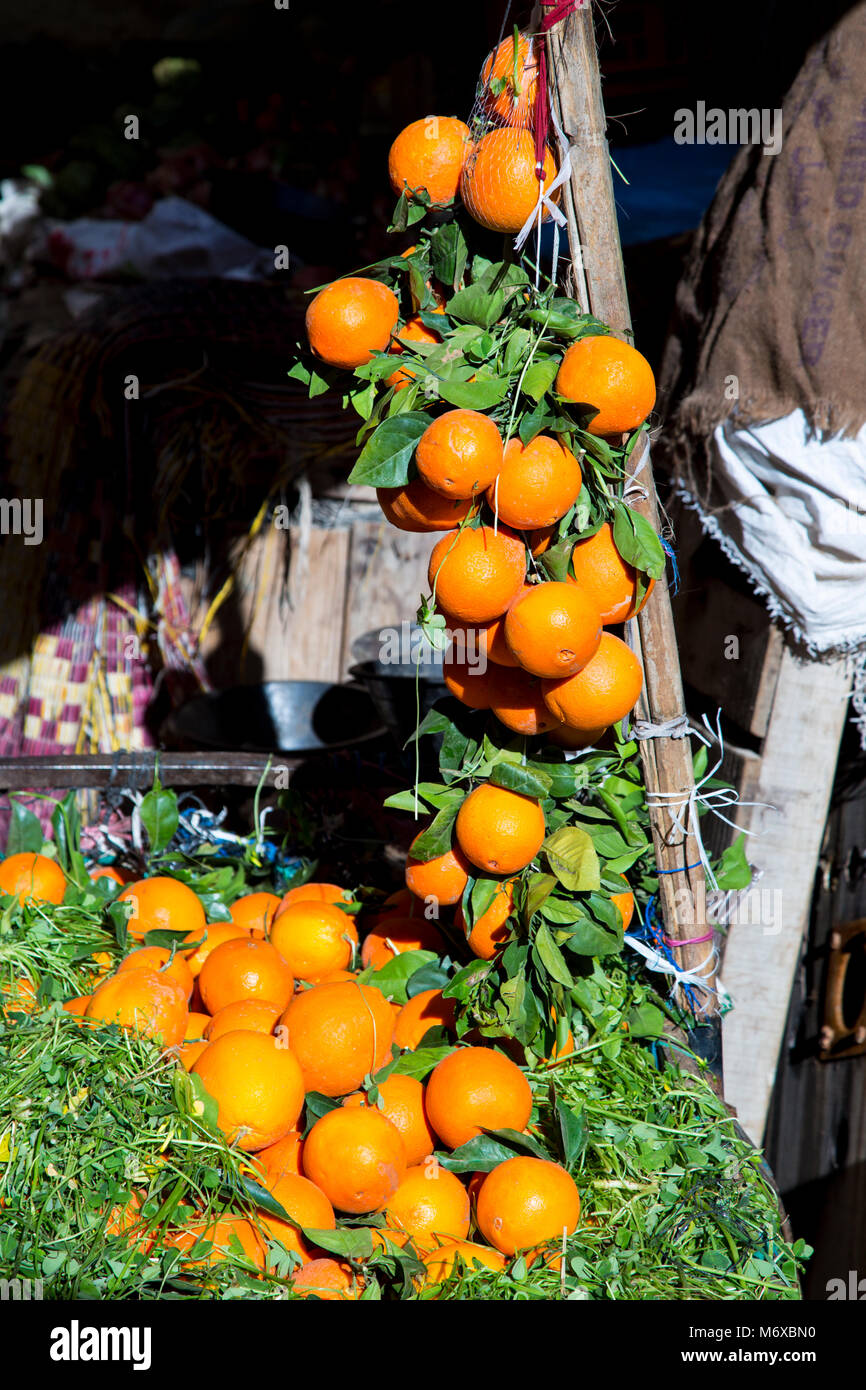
302 597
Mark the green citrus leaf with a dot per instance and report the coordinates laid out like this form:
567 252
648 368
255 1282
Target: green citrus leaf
572 858
386 459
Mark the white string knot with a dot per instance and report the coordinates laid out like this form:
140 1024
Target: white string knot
669 728
682 808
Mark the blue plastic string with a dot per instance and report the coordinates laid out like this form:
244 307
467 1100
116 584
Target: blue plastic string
653 934
672 556
684 870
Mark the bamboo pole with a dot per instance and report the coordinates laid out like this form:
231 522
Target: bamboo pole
599 281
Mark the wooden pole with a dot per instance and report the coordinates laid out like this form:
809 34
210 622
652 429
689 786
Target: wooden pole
599 285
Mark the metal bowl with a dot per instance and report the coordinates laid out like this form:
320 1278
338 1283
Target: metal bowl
278 716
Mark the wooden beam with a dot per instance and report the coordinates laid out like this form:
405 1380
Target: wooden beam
795 777
136 770
597 257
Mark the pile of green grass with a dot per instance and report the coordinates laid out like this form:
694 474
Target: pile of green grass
675 1204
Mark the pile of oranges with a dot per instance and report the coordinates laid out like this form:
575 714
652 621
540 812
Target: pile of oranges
268 1008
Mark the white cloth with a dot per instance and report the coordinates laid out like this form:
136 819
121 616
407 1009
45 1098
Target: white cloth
795 521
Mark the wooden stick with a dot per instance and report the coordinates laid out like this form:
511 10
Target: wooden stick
136 770
595 246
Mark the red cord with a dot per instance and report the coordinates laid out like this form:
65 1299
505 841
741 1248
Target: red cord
554 11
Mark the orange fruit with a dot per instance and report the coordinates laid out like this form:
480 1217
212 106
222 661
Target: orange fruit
510 86
551 1258
426 1010
625 903
222 1233
189 1052
500 831
440 1262
144 1001
314 893
255 912
541 540
429 154
245 969
612 376
331 1280
106 871
477 572
392 939
550 634
20 996
252 1015
442 878
77 1006
283 1157
33 878
603 575
526 1201
399 904
565 737
604 691
517 701
157 958
104 962
304 1203
401 1100
537 483
417 507
475 1088
473 1187
460 453
314 939
429 1203
498 185
122 1220
356 1156
467 643
339 1033
163 904
414 330
567 1046
471 684
338 977
214 934
257 1086
491 930
351 319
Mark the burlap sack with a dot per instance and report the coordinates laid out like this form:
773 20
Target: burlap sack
771 310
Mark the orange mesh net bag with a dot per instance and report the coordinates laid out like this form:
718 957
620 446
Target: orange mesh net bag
511 177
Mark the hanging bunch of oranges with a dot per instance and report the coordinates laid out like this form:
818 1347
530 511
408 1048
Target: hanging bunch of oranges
539 551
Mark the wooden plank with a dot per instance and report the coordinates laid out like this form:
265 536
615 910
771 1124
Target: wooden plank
387 577
597 261
795 777
284 619
317 589
816 1131
730 650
